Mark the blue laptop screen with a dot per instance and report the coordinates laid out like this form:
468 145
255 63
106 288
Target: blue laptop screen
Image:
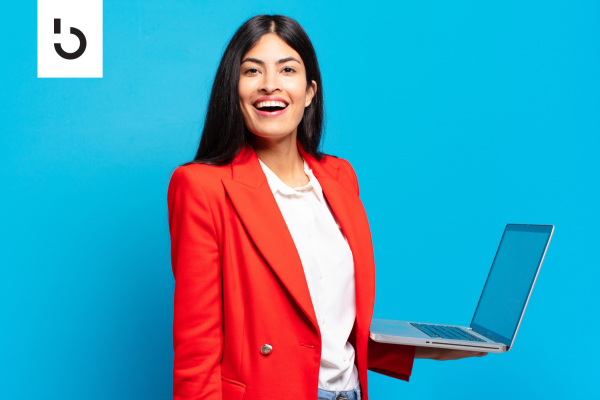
510 280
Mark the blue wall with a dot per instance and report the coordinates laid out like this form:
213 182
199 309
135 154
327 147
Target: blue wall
458 117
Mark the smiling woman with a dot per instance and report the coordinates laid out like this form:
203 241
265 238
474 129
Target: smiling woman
232 117
270 244
273 67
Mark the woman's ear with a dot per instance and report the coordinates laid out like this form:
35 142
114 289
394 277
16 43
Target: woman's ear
311 90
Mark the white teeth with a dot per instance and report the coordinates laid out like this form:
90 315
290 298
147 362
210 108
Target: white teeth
270 104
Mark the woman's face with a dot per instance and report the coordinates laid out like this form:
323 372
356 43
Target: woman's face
273 91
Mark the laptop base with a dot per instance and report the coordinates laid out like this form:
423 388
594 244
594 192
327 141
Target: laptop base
403 332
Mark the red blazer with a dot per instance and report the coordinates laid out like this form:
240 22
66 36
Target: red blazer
239 284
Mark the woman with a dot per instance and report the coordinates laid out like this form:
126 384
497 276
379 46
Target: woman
271 248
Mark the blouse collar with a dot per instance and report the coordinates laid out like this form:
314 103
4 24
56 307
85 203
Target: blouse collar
277 184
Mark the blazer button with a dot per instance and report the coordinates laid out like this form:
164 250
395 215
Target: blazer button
266 349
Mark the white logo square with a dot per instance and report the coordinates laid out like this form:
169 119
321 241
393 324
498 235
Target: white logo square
69 39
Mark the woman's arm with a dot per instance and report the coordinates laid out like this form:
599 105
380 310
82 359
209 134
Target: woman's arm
197 320
395 360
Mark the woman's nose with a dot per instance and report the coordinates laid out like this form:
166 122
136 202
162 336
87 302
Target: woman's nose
270 82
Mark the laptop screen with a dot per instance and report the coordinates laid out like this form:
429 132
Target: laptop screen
510 281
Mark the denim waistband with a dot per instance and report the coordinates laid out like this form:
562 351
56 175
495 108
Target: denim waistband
340 395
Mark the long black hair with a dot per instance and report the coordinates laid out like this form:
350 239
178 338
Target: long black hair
224 133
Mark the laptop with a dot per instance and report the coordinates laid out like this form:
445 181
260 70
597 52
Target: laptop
501 306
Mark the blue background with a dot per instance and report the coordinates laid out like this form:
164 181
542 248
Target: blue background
458 117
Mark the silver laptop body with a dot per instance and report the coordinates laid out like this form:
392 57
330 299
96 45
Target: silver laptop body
501 306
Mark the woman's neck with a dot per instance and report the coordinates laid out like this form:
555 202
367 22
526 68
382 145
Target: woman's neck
282 157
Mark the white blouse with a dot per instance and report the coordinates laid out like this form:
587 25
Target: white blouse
329 269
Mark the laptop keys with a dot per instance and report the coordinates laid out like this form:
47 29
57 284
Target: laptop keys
445 332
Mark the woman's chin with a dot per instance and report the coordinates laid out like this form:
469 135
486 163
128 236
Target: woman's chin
272 133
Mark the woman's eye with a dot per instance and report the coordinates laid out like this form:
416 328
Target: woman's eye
289 70
251 71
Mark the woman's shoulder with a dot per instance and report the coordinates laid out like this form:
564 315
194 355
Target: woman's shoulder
343 166
204 177
336 162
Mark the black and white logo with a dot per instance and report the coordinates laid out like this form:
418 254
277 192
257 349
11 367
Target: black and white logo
82 43
69 39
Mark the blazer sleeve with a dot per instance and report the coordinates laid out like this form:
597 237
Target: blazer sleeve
388 359
197 317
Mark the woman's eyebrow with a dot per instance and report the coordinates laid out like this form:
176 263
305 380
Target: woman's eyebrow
256 60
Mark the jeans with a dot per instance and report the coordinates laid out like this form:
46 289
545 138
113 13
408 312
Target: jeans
346 395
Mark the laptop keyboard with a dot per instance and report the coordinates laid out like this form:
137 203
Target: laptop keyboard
446 332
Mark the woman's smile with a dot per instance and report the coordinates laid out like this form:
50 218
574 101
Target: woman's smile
270 106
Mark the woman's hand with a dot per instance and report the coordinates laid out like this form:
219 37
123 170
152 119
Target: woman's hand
434 353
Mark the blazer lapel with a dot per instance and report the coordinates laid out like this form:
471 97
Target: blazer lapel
254 203
350 213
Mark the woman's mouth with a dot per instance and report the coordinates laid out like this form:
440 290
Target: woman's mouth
270 108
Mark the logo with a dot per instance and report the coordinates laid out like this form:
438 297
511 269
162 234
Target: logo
82 43
69 39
